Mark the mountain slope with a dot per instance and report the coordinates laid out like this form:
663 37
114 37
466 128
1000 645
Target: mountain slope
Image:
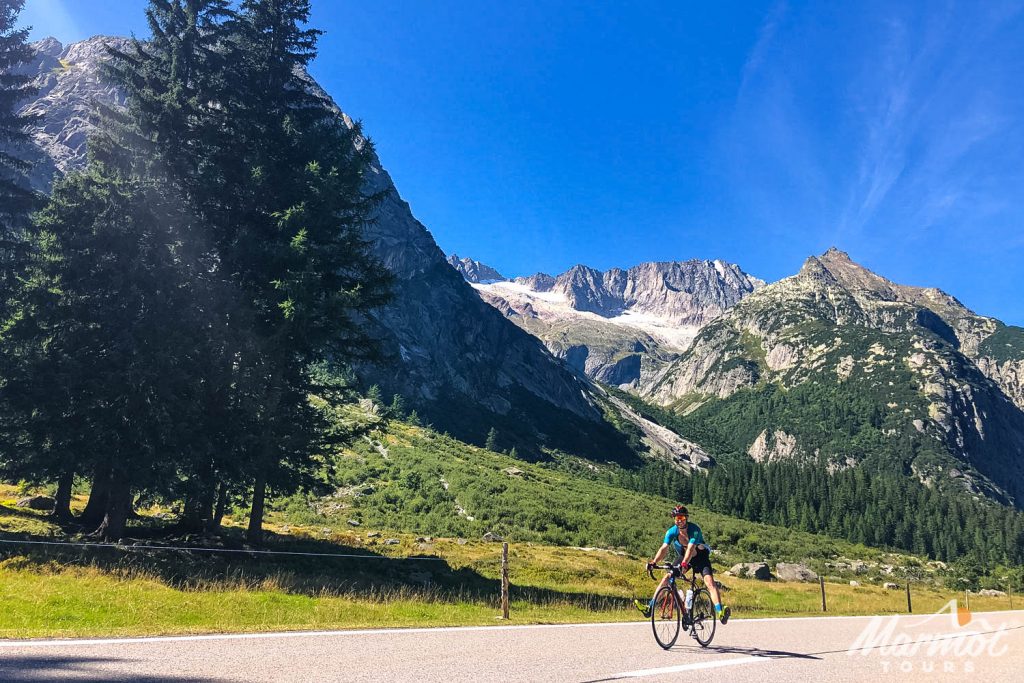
453 357
841 365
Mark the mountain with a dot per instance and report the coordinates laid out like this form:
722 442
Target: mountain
621 327
459 362
840 365
474 271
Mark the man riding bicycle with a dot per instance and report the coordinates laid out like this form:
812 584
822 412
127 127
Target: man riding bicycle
697 554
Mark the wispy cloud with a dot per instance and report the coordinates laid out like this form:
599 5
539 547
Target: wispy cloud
925 109
765 37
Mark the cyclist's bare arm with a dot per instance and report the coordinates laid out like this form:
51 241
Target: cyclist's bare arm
688 555
660 554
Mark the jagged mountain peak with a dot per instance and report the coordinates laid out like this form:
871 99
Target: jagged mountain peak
475 271
538 282
621 326
48 47
837 269
934 373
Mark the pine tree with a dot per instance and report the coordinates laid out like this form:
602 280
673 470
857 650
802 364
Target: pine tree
397 408
99 384
374 395
16 198
491 442
295 246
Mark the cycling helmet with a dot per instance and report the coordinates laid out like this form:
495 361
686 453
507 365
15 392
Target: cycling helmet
680 510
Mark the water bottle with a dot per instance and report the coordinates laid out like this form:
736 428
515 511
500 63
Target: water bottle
689 598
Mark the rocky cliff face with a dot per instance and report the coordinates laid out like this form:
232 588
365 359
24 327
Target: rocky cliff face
454 357
621 326
911 367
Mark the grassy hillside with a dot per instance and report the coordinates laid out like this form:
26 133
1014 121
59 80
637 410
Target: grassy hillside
415 480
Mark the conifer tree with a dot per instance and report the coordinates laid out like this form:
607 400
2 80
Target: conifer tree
16 200
491 442
296 246
169 132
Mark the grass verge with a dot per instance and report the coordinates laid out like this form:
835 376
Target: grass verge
550 585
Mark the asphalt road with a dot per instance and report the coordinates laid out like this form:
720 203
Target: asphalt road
988 648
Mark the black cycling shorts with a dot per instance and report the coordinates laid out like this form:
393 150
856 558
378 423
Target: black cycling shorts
701 563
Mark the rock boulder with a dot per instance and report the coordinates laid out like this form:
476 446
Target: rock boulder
753 570
794 572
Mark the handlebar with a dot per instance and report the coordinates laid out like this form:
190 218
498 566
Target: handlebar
667 566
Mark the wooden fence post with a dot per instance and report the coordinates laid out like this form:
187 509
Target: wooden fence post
967 599
1009 594
504 580
821 582
910 608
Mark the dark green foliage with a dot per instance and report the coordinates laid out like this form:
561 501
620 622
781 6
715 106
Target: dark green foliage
491 442
1006 343
397 407
291 235
193 296
16 199
865 505
874 502
432 484
99 368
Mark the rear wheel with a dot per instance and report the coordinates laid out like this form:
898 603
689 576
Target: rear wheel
703 627
665 617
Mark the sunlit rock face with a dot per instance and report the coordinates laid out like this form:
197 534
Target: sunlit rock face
942 379
620 326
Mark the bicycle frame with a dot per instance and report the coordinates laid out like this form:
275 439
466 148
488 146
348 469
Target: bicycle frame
696 625
686 611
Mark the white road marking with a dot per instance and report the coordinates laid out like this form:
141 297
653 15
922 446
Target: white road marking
689 667
385 631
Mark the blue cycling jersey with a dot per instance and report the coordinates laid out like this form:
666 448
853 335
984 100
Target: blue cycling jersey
692 533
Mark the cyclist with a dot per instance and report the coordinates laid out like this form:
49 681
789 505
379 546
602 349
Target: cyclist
697 554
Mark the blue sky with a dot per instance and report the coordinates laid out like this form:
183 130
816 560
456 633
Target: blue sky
536 135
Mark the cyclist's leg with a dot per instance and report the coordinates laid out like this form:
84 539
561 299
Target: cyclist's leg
709 581
702 564
650 603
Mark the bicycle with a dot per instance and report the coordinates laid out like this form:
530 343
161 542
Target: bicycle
670 612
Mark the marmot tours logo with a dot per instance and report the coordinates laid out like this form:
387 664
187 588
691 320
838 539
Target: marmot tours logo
949 641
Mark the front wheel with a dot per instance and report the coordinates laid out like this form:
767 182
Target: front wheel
703 627
665 617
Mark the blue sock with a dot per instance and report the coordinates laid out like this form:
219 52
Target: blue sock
718 607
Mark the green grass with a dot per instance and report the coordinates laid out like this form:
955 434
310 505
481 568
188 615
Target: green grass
551 585
577 551
430 484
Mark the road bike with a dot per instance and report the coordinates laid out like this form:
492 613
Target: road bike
670 612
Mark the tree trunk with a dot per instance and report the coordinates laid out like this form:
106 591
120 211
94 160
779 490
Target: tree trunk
222 503
62 508
96 508
119 504
254 534
199 501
